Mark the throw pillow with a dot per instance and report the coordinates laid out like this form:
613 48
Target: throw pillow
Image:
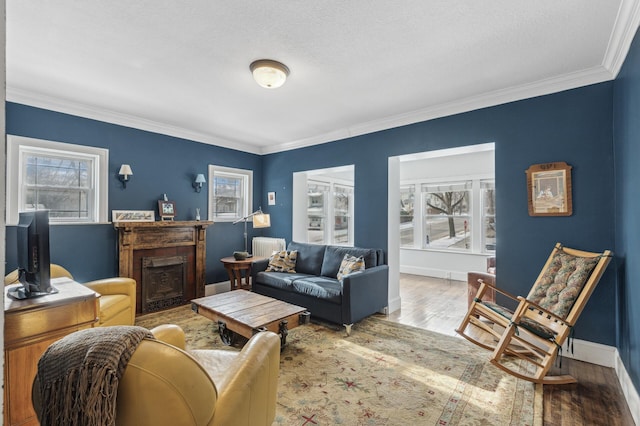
283 261
349 265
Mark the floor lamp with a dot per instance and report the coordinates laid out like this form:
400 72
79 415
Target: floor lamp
260 220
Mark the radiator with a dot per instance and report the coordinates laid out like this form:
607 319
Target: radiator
265 246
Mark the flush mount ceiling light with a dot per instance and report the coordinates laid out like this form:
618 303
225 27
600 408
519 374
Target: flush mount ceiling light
269 74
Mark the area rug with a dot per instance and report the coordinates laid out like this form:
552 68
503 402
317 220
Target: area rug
384 373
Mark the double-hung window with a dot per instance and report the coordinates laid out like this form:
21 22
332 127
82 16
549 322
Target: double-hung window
68 180
230 194
447 208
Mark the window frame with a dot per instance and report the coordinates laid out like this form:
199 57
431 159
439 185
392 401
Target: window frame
455 185
247 179
19 146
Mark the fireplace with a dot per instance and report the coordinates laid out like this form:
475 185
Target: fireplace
164 281
166 258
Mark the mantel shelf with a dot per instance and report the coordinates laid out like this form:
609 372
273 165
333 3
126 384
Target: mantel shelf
163 224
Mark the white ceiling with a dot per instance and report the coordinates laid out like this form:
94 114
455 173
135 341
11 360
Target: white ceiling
182 67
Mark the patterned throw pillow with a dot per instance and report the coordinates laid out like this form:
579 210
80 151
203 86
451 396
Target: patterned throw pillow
349 265
283 261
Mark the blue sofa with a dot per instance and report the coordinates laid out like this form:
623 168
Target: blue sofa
314 284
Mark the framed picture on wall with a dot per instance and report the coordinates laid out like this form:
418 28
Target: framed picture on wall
549 189
166 209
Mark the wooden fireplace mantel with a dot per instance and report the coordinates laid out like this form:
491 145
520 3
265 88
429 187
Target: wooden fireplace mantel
148 238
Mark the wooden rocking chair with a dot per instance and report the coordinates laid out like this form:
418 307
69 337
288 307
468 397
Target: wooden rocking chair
540 324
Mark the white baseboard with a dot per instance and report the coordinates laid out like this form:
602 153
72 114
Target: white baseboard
436 273
394 305
629 391
593 353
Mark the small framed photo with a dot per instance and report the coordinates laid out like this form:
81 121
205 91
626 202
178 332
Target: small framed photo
133 216
271 197
549 188
166 209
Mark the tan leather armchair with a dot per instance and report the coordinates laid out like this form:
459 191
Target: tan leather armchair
164 385
473 282
117 296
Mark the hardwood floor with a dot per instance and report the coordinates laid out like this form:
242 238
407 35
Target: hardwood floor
439 305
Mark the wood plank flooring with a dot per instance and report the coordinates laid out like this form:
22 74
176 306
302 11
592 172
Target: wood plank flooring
439 305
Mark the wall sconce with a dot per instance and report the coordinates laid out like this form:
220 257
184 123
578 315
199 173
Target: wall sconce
200 180
124 173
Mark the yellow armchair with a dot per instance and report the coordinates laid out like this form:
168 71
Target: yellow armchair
117 296
165 385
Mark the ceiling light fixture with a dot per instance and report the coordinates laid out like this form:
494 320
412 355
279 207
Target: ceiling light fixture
268 73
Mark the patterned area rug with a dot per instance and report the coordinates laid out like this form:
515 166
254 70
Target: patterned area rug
383 374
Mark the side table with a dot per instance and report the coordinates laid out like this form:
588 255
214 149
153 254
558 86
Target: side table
235 269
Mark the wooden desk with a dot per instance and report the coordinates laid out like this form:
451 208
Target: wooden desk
235 268
30 326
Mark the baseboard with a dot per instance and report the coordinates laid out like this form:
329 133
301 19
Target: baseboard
216 288
593 353
394 305
436 273
628 389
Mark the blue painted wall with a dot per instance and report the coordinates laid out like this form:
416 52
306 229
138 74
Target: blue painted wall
573 126
161 164
626 110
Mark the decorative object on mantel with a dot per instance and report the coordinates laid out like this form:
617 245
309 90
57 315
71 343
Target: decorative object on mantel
167 209
133 216
197 214
549 189
260 220
124 173
200 180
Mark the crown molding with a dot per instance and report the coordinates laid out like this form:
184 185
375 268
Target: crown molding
530 90
622 35
87 111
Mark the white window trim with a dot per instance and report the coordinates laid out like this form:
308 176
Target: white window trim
15 144
248 205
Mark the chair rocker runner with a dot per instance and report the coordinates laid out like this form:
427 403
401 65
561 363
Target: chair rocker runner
540 324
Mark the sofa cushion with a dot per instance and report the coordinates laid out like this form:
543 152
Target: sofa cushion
333 256
350 264
282 280
309 257
283 261
320 287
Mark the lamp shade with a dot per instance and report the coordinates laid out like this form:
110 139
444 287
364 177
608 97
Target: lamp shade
200 178
125 170
268 73
261 221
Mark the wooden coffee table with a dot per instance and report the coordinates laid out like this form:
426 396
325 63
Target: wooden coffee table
245 313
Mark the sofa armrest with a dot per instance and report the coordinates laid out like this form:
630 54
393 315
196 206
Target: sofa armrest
364 293
247 393
116 285
259 265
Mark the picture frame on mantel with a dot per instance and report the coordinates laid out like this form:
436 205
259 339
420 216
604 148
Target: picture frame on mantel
133 216
549 189
166 209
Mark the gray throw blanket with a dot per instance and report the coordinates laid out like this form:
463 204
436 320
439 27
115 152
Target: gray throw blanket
79 375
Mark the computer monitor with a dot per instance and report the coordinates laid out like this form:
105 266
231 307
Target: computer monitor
34 262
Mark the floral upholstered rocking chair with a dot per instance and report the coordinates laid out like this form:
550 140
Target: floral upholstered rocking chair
540 324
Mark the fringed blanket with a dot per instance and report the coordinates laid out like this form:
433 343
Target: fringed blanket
79 375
